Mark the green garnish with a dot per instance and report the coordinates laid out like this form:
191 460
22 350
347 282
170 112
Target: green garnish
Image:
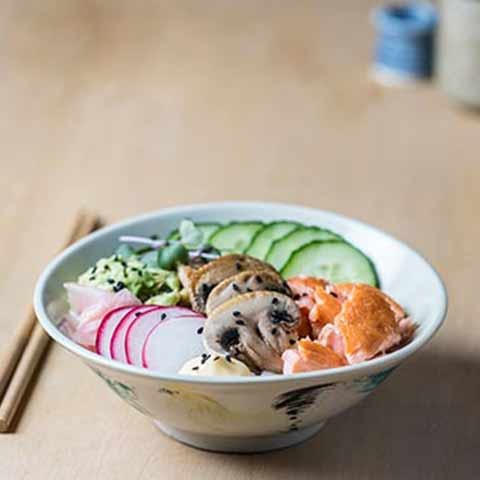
144 280
172 255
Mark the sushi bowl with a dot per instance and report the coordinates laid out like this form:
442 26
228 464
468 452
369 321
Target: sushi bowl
255 413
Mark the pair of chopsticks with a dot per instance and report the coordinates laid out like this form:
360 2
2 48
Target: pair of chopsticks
30 341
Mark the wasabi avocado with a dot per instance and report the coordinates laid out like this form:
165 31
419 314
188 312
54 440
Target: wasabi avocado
144 281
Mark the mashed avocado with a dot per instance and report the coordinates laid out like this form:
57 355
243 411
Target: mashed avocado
146 282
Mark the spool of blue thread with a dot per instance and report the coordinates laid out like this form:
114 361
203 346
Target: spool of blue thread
404 42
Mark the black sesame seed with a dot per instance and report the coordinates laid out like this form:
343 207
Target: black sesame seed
235 287
195 368
258 278
216 358
154 237
94 269
274 301
140 273
205 358
106 267
228 358
292 341
304 294
123 263
236 313
137 314
333 294
163 316
296 297
249 290
200 330
273 331
119 286
240 322
238 266
92 278
116 258
111 281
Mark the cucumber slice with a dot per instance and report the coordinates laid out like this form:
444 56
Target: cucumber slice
208 229
336 261
263 239
282 248
235 237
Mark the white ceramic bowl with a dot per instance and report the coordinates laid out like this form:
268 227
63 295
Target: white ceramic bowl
248 414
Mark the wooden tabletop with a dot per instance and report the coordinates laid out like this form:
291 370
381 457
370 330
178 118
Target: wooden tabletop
126 107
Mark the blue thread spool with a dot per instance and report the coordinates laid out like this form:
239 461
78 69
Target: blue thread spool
404 43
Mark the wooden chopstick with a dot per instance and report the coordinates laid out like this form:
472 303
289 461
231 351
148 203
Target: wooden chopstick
30 341
14 351
84 223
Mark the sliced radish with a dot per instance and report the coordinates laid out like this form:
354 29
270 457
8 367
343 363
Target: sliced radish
172 342
107 326
138 330
117 344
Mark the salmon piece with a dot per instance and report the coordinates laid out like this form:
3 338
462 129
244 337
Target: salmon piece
326 308
316 306
303 289
407 328
309 356
304 328
330 337
344 290
367 324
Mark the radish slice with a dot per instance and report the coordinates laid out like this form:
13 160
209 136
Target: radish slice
107 326
172 342
117 344
138 330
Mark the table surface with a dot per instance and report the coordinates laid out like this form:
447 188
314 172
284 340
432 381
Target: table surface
126 107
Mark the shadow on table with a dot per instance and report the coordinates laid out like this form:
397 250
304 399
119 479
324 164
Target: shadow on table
423 422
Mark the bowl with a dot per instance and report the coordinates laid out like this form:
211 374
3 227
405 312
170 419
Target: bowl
248 414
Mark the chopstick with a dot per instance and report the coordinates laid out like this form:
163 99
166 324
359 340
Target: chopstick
30 341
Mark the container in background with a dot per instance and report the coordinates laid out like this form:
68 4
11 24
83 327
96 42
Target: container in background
458 54
404 43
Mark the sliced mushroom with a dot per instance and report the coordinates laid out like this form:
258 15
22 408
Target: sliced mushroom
255 328
245 282
206 278
186 274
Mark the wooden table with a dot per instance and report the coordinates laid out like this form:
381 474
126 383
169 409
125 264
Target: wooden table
126 107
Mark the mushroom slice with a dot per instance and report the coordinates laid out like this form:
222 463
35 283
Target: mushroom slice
206 278
245 282
255 328
186 274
